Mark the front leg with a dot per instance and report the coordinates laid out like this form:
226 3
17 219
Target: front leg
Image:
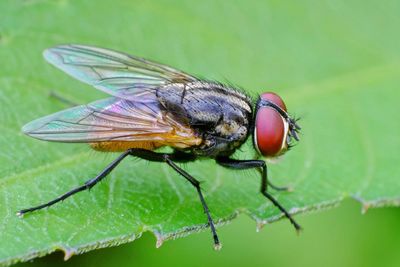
260 164
249 164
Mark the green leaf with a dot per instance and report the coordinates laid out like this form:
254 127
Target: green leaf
336 65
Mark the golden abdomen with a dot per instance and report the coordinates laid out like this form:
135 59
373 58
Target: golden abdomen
120 146
123 146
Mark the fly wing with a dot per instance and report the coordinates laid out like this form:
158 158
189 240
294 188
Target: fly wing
115 73
113 119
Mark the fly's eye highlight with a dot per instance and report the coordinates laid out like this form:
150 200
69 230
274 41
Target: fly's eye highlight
271 128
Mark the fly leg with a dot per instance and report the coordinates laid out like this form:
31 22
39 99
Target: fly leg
260 164
181 157
279 188
86 186
248 164
270 184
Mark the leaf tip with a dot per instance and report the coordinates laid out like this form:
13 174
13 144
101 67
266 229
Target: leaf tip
160 240
260 226
68 253
365 207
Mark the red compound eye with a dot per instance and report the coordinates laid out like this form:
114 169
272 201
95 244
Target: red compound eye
274 98
270 128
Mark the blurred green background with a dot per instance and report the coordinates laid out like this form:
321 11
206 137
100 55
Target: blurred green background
256 44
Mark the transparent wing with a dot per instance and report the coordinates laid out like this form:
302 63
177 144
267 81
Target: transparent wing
112 119
115 73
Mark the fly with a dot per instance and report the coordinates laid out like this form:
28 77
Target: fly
153 106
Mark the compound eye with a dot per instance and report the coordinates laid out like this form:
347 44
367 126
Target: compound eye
274 98
270 128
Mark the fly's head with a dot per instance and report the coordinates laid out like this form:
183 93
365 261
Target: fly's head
274 128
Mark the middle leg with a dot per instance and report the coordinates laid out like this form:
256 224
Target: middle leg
181 157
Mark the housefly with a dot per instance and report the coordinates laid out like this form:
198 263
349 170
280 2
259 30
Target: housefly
153 106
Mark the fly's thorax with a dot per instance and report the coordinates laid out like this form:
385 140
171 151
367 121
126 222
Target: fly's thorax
215 96
220 115
203 102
